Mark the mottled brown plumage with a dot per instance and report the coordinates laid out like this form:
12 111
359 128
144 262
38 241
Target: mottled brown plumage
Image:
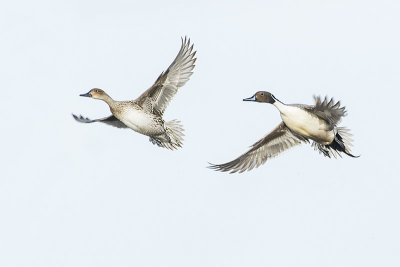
144 114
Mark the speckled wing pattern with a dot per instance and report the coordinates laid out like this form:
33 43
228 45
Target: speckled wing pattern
274 143
327 110
110 120
167 84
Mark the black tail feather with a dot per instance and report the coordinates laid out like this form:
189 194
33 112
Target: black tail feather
339 145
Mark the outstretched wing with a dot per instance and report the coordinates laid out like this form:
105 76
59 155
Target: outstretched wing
110 120
328 110
168 83
280 139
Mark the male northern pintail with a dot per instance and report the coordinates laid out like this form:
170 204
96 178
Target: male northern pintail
145 114
300 123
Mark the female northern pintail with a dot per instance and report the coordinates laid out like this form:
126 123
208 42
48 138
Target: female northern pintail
300 123
144 115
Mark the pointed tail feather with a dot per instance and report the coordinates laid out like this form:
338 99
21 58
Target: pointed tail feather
341 143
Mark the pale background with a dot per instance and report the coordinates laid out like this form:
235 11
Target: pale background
93 195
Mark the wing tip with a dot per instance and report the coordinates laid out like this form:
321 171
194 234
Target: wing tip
224 168
76 117
81 119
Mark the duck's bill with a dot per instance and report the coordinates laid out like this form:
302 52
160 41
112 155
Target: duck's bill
253 98
88 94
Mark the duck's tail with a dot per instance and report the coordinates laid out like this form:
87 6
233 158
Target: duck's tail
341 143
173 136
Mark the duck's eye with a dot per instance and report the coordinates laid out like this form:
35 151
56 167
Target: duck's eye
262 94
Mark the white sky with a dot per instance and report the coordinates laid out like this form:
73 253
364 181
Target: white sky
92 195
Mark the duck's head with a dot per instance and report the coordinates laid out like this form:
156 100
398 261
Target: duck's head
96 93
263 97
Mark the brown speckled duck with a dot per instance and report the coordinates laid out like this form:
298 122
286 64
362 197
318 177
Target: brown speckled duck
145 114
300 124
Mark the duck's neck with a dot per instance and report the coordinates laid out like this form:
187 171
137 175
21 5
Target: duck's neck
106 98
279 105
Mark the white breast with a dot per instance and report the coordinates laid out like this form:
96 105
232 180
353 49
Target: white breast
140 121
305 123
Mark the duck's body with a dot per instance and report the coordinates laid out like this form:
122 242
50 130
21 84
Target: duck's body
136 118
145 114
306 123
300 124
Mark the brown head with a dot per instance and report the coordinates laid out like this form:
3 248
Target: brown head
96 93
263 97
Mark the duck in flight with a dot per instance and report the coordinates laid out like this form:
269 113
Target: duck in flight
300 124
145 114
